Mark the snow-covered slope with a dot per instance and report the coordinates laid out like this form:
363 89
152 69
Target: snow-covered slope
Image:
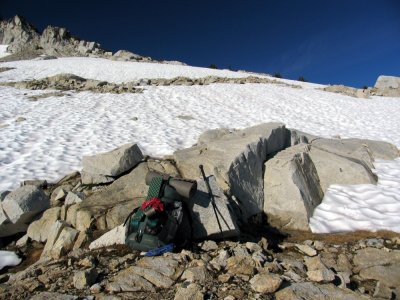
58 131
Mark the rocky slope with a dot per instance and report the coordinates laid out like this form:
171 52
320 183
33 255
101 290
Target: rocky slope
65 259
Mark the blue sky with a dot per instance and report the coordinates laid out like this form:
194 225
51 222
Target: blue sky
348 42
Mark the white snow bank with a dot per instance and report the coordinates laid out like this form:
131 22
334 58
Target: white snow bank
115 71
3 51
362 207
8 258
104 69
58 131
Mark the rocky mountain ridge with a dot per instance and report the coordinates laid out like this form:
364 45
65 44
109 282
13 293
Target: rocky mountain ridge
26 42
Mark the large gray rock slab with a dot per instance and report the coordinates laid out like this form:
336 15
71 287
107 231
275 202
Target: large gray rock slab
296 179
370 257
388 86
358 149
205 218
337 169
113 163
65 242
54 233
291 188
23 204
236 159
92 179
111 205
388 275
39 230
130 188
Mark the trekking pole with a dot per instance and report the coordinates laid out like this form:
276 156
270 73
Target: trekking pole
211 198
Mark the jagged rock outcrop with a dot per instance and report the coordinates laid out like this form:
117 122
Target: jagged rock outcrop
26 42
236 159
21 36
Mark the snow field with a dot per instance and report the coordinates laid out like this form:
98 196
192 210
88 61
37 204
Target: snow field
58 131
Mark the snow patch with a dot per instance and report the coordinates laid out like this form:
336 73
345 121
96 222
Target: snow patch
364 206
3 51
8 258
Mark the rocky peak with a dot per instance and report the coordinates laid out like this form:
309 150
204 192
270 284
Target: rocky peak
22 36
18 33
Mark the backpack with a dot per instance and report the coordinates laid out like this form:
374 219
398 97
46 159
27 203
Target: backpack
163 218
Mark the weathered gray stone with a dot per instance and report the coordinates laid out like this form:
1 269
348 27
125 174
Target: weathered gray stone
126 55
243 265
236 160
299 137
387 275
296 179
113 163
91 179
83 220
388 86
129 190
317 271
74 197
84 279
58 195
193 291
71 212
195 274
209 246
370 257
386 82
23 204
359 151
65 242
164 265
291 188
308 250
384 292
205 218
265 283
128 281
18 34
39 230
308 290
54 233
80 240
115 236
153 276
